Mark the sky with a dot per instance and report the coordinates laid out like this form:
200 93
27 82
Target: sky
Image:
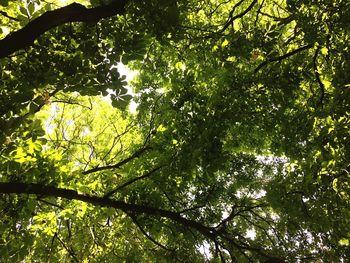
130 74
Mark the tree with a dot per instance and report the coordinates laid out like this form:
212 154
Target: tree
238 152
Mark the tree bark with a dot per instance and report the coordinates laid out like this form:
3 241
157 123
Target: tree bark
134 209
74 12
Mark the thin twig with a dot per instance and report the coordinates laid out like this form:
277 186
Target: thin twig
318 77
70 102
233 18
132 181
229 20
258 12
51 248
49 203
191 208
148 236
70 251
117 165
217 7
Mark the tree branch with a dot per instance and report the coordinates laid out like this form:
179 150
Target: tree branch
118 165
148 236
280 58
8 16
258 12
69 250
233 18
109 194
51 204
71 13
43 190
318 77
130 209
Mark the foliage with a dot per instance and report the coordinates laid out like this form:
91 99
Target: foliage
239 150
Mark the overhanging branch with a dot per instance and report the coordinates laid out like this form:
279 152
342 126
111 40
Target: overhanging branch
43 190
71 13
132 210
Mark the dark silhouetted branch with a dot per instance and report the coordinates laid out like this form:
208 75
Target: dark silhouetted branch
280 58
132 210
74 12
240 15
8 16
118 165
43 190
318 77
148 236
69 250
109 194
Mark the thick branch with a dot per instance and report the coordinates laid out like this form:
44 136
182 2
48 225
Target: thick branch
133 210
71 13
42 190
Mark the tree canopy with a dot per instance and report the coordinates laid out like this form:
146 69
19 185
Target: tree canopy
238 150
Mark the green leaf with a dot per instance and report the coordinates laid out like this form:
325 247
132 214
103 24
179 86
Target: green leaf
23 10
31 8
